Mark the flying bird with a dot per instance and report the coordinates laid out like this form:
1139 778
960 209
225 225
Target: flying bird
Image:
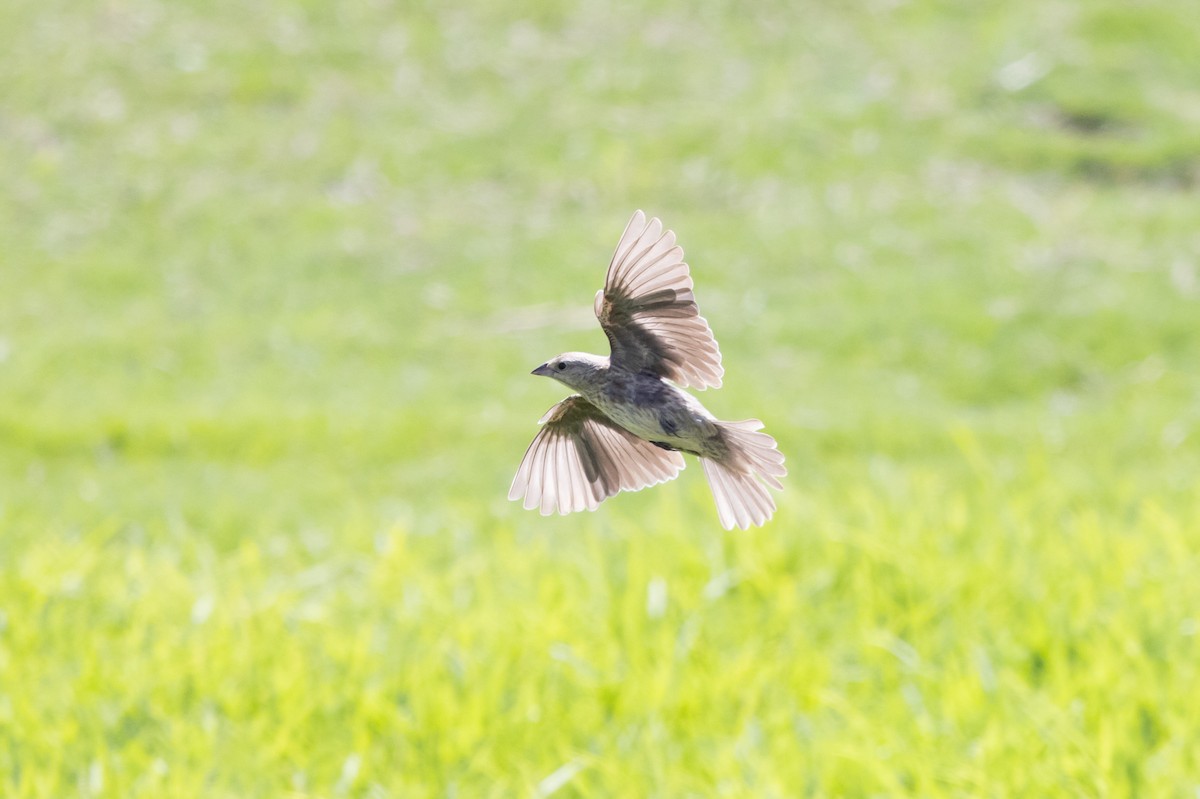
631 419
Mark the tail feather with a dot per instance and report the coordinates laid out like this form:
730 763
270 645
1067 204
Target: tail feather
739 479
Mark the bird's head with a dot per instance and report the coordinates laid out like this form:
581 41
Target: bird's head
577 370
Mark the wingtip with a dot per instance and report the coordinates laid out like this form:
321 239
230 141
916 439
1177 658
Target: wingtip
636 222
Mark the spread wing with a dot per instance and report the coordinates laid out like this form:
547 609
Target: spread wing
649 313
580 458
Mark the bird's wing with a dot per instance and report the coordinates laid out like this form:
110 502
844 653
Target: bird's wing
580 458
649 313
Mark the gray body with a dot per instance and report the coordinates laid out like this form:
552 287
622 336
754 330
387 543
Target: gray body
642 403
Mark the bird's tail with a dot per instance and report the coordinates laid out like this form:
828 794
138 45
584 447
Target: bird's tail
739 479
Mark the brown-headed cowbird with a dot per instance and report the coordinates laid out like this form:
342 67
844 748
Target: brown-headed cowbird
625 428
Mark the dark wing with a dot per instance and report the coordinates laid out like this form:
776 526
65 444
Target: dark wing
580 458
649 313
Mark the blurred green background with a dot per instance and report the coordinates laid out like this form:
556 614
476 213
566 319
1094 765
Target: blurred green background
272 277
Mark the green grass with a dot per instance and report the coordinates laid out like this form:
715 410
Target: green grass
272 277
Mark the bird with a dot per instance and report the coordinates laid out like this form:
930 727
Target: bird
630 421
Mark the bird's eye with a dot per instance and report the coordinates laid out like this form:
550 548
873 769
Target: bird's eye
561 366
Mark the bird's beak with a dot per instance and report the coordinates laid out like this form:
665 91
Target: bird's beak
542 371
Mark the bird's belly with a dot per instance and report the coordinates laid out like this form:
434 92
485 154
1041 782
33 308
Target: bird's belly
640 420
660 413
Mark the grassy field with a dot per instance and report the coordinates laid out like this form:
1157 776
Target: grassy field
272 278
